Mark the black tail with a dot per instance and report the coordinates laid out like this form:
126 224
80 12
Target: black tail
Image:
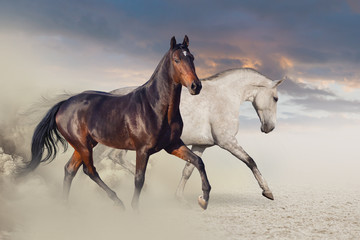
46 136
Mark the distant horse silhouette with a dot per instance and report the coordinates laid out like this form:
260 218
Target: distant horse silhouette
212 118
146 120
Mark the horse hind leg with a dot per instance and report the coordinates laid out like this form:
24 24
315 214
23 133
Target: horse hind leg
187 171
71 169
141 162
90 170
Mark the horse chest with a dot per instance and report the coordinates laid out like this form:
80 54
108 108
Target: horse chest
168 133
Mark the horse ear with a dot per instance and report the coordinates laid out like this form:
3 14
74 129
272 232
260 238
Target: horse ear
277 82
186 41
172 42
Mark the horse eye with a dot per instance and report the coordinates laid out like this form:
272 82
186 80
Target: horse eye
177 60
276 99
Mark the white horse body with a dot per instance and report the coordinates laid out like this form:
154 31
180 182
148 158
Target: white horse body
212 117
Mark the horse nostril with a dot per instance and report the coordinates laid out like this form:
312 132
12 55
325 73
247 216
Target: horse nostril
193 86
199 86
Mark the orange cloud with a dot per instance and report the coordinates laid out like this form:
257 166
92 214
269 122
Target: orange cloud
251 63
286 63
351 84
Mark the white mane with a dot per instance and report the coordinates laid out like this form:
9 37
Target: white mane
238 77
246 72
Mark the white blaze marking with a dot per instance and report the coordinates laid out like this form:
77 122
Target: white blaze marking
184 52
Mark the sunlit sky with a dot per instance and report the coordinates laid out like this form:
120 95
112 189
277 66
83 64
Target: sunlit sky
52 46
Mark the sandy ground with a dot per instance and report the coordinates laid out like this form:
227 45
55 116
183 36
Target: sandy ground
32 209
316 188
297 213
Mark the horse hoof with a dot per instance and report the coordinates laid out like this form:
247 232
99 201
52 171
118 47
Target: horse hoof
268 194
120 205
182 201
202 202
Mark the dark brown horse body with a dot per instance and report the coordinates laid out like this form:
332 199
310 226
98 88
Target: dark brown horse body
146 120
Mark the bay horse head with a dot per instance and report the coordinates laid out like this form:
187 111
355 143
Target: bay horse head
182 66
265 104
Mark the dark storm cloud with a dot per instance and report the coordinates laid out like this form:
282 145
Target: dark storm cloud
308 55
307 31
320 32
104 23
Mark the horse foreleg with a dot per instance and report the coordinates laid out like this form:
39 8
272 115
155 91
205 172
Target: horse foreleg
141 163
187 171
182 151
71 169
235 149
90 170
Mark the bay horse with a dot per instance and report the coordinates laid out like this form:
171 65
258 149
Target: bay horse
146 120
212 118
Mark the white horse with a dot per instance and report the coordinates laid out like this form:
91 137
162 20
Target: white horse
212 118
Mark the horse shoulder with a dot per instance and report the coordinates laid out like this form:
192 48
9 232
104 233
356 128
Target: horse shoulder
224 117
195 114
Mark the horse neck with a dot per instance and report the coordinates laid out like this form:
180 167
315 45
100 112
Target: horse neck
162 92
244 84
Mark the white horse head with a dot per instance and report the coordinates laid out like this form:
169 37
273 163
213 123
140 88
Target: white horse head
265 102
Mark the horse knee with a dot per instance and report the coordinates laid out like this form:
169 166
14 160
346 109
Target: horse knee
188 170
92 173
69 172
112 195
139 180
200 164
85 170
251 163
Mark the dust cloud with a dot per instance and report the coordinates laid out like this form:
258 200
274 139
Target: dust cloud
31 207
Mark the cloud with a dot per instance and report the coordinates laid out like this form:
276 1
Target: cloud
304 102
337 105
354 5
302 90
304 31
304 40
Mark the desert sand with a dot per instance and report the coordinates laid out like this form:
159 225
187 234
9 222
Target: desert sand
32 208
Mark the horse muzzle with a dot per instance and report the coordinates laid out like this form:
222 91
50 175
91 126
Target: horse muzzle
266 128
195 87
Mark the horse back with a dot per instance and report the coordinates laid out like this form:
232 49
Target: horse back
123 122
92 117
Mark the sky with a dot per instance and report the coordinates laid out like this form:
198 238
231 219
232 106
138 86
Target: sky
48 47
